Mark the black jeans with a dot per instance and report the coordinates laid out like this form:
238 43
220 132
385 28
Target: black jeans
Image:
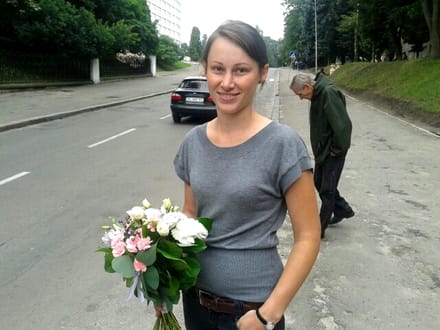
198 317
326 177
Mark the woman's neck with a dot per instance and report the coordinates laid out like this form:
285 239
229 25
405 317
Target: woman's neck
230 131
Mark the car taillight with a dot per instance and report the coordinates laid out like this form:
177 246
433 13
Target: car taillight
210 99
176 97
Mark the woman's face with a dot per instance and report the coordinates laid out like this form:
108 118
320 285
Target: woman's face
232 76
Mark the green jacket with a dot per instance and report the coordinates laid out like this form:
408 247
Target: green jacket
330 125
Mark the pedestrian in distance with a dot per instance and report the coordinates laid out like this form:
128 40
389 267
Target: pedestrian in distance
330 135
245 172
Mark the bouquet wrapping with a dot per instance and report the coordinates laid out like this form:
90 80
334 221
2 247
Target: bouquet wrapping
154 250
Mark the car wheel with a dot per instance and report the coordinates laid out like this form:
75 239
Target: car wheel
176 118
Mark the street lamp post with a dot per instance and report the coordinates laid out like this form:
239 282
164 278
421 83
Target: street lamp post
316 41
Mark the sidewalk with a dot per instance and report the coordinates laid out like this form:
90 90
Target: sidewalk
19 108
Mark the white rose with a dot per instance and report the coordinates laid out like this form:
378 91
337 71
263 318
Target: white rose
136 213
152 214
187 230
172 218
162 228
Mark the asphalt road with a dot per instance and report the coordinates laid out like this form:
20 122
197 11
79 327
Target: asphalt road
378 270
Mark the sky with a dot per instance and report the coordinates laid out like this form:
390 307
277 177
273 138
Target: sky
207 15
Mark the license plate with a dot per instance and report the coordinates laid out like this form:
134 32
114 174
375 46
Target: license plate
194 99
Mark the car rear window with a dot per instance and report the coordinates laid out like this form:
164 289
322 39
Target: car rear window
193 84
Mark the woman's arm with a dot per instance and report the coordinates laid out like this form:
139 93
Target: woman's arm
189 202
303 212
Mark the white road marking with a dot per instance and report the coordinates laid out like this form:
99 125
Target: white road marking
165 117
111 138
14 177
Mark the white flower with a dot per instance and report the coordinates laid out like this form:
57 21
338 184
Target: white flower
152 214
168 221
166 205
136 213
146 203
112 235
172 218
162 228
187 230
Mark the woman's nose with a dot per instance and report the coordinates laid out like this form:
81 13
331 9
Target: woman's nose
228 81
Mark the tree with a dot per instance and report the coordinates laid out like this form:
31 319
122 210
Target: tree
356 29
273 52
83 28
293 29
56 25
416 32
204 41
167 53
195 45
431 11
136 15
184 50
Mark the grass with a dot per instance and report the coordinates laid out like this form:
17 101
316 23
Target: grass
412 83
177 66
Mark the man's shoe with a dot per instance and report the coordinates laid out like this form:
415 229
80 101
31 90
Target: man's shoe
337 219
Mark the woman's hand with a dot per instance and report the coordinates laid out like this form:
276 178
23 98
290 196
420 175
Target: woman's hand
250 321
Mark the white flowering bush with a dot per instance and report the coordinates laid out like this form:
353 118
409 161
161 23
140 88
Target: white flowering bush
154 252
134 60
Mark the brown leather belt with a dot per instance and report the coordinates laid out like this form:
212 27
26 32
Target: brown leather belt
220 304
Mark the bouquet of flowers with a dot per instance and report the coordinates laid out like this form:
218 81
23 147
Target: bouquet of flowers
154 251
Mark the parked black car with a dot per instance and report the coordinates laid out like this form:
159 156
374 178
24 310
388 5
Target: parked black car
192 98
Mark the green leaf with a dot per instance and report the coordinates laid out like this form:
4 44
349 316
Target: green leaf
198 246
169 249
206 222
194 266
124 266
179 265
174 286
105 249
151 277
108 258
148 257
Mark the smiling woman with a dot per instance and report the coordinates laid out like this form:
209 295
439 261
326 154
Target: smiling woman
245 172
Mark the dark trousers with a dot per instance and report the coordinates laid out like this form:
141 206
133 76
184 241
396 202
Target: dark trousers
198 317
326 177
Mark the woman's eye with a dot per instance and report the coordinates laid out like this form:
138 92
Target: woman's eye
217 69
241 70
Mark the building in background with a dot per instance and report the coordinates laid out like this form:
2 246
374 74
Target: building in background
168 14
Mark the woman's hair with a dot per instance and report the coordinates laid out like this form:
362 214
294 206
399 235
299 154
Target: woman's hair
244 36
299 80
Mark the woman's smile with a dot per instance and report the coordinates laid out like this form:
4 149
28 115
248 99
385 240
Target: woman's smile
228 97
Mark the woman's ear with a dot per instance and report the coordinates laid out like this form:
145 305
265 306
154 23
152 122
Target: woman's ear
264 73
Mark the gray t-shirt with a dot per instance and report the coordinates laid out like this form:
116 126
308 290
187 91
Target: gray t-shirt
242 190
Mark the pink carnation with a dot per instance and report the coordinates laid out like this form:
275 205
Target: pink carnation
144 244
118 249
139 266
118 237
132 243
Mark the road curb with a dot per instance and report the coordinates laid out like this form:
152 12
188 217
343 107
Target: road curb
60 115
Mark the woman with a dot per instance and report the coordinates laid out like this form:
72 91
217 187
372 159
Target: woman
245 172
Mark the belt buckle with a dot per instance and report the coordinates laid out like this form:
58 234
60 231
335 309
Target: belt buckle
213 302
206 299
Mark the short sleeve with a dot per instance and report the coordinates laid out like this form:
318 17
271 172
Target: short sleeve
295 159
